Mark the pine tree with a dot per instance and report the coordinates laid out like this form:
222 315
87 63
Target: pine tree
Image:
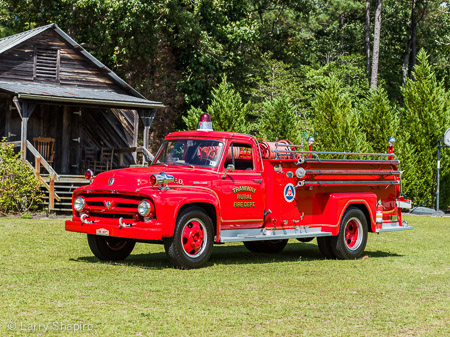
280 120
425 118
379 119
335 122
227 110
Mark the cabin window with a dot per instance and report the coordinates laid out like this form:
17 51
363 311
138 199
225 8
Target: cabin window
46 64
241 156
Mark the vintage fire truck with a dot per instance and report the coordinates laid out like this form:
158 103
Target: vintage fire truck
208 187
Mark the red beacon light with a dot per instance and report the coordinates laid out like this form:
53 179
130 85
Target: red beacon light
88 174
205 123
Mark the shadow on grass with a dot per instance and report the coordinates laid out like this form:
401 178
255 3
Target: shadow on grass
227 255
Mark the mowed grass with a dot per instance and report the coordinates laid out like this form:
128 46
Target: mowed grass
51 285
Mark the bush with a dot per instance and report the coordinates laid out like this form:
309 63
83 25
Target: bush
19 187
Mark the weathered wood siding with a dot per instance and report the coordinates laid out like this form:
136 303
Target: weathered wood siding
3 114
49 59
73 132
73 68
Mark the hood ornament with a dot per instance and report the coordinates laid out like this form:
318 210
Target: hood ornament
108 204
110 181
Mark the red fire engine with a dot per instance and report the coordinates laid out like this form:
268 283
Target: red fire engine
207 187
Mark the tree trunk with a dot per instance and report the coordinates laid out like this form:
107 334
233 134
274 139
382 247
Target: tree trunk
376 45
341 28
367 42
405 66
413 36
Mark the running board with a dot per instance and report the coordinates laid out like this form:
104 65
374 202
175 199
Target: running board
260 234
394 226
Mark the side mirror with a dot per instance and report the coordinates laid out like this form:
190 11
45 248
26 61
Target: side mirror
231 168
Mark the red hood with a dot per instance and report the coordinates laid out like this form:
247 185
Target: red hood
132 179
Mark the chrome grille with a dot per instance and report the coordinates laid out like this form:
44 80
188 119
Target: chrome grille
111 206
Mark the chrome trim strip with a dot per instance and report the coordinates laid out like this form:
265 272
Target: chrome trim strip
243 220
259 234
200 183
403 204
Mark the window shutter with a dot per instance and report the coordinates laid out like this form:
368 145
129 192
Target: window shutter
46 64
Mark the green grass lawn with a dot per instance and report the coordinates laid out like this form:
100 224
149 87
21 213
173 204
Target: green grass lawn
50 284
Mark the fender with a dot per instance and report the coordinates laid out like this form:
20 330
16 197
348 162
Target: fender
338 203
169 202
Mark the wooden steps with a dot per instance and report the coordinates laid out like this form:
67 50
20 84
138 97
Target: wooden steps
64 188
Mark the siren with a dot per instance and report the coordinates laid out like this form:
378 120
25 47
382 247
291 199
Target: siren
205 123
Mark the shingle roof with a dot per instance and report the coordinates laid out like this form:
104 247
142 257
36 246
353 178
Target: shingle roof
65 94
9 42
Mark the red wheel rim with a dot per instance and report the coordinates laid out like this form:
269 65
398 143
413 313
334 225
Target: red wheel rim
193 238
353 233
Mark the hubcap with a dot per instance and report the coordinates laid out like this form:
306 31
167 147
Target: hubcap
353 233
193 238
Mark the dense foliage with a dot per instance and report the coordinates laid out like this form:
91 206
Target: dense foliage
285 69
19 187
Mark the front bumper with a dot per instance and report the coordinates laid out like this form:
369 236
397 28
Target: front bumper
149 230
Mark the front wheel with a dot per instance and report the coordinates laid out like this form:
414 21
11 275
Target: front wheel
191 244
110 248
352 238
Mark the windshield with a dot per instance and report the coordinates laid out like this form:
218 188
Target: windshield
193 152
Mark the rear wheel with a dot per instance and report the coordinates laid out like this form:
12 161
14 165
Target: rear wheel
191 244
352 238
110 248
304 240
324 244
253 246
266 246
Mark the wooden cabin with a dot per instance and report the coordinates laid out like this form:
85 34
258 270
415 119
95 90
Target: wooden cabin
66 110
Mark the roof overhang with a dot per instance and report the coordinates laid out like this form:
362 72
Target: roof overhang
77 96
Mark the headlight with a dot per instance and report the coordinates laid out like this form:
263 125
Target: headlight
79 204
144 208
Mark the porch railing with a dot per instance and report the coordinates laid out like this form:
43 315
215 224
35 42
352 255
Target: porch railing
147 156
38 162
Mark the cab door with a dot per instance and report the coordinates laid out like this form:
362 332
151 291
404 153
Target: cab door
242 190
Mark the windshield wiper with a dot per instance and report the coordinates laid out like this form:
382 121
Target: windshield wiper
185 164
